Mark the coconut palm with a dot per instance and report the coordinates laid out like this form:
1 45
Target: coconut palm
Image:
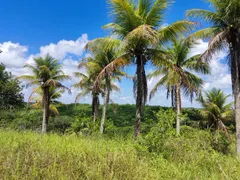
176 72
224 34
216 109
86 84
140 27
47 73
103 51
36 98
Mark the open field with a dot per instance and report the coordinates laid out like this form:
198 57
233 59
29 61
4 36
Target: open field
26 155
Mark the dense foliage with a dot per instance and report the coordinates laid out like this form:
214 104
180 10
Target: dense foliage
120 118
10 90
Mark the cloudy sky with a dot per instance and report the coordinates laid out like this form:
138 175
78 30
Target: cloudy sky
33 28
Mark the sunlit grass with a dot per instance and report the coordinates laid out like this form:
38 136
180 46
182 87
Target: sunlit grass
34 156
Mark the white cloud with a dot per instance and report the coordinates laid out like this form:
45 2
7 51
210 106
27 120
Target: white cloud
13 54
199 48
65 47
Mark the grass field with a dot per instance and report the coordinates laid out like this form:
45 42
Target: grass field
33 156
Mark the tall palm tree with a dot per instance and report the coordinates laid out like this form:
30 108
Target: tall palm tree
224 34
177 74
140 27
36 98
216 109
47 73
104 51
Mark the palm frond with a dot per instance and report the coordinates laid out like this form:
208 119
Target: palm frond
207 16
217 44
82 94
194 64
177 29
111 67
155 15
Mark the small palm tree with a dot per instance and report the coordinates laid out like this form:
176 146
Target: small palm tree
86 84
216 109
177 74
47 73
139 26
36 98
224 33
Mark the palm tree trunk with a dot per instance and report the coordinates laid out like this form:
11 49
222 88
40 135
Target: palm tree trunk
178 108
141 93
45 109
173 98
95 107
106 101
235 71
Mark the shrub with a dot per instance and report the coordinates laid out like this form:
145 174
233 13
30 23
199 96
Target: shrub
83 126
162 140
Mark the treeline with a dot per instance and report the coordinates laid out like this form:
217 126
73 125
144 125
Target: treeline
76 118
117 115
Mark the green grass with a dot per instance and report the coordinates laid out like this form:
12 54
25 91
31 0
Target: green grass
34 156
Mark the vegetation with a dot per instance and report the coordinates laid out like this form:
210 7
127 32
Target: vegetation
37 96
104 51
30 155
47 73
10 90
138 25
225 34
216 110
177 75
75 149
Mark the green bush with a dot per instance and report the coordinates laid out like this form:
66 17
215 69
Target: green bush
83 126
162 140
158 134
60 124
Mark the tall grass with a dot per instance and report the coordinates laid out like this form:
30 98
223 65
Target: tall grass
33 156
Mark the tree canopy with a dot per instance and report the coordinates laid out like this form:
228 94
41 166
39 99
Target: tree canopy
10 90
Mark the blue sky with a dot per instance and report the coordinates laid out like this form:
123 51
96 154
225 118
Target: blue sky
34 27
39 22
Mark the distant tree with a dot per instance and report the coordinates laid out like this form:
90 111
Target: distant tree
47 73
10 90
177 71
216 110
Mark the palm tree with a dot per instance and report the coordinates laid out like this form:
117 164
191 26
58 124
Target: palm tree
177 74
104 51
216 109
47 73
54 94
225 34
86 84
140 27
